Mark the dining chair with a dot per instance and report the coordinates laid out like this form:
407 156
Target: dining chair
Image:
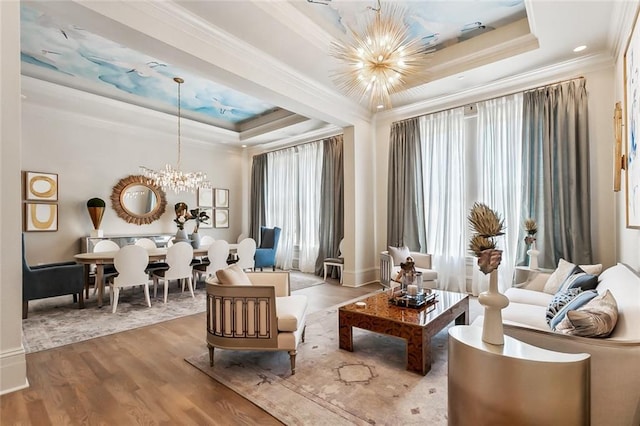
266 253
217 254
149 244
131 263
241 237
109 270
179 257
246 252
337 262
206 240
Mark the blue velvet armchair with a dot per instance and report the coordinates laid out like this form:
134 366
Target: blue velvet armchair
54 279
266 253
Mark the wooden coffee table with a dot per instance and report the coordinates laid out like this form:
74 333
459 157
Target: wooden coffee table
416 326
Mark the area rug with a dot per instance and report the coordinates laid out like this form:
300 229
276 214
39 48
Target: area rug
334 387
57 321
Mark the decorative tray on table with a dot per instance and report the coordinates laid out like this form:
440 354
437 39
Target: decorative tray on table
404 300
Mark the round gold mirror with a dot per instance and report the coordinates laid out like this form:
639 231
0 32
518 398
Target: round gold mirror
138 200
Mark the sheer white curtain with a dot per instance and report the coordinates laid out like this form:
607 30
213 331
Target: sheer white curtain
293 203
443 159
498 151
309 190
281 202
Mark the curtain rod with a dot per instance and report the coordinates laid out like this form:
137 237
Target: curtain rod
495 97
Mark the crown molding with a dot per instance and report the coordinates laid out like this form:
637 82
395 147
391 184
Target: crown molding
520 82
623 16
241 63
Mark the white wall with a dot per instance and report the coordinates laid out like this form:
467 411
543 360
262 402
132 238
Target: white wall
93 142
599 75
13 373
628 240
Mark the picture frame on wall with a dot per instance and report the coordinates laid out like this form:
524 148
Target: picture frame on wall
40 217
221 218
205 197
209 223
221 198
632 115
40 186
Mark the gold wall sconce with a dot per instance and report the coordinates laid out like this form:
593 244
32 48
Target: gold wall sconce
618 156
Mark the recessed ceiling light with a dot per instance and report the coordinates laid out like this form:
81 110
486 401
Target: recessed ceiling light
380 106
244 146
579 48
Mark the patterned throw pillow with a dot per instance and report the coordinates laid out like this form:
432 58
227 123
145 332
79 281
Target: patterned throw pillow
559 300
563 270
399 254
578 278
580 300
597 318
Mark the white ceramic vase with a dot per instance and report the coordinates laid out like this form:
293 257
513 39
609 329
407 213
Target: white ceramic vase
494 302
181 235
533 256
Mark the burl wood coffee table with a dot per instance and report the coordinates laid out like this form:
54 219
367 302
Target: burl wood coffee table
416 326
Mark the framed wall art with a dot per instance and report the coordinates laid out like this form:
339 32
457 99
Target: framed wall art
221 218
40 186
222 198
40 217
205 197
632 115
209 223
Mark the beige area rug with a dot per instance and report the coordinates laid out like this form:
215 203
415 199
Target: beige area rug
334 387
57 321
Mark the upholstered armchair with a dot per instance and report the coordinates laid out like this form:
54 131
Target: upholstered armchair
390 266
257 312
53 279
266 253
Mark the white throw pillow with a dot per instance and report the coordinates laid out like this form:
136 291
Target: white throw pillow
233 275
399 254
562 272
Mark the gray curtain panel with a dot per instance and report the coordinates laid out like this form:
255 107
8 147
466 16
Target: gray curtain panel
405 207
258 195
332 202
556 171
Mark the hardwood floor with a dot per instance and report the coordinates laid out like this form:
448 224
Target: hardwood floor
140 377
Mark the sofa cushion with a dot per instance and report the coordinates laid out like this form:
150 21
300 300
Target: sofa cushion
399 254
624 284
578 278
558 301
525 315
521 295
563 270
595 319
290 311
580 300
233 275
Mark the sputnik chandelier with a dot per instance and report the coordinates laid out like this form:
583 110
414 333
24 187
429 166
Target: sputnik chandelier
380 60
175 179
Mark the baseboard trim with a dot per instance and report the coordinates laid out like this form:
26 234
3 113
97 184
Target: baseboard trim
13 370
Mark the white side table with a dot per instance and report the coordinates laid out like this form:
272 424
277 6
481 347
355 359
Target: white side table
515 383
524 274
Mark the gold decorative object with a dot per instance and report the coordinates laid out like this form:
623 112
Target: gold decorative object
175 179
618 156
380 60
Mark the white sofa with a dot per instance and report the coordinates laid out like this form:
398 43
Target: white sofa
615 360
389 269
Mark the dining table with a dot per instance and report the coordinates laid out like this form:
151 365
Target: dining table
100 259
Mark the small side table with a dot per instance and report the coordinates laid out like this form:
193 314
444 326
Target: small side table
524 274
515 383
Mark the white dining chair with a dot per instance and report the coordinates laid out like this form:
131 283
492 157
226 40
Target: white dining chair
246 252
241 237
131 263
179 257
206 240
338 262
108 270
217 254
146 243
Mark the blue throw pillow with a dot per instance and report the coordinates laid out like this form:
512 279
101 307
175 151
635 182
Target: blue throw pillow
578 278
577 302
560 299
